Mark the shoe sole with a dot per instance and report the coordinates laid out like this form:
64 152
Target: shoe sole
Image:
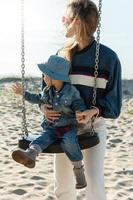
21 158
81 187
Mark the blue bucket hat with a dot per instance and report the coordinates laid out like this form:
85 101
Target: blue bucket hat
56 68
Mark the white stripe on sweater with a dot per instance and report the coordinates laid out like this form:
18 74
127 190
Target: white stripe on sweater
87 81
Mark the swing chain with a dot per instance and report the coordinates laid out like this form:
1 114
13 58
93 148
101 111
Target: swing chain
96 64
24 124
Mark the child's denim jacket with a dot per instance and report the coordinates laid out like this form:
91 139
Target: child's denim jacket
66 101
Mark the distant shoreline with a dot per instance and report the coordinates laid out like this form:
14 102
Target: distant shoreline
18 78
9 79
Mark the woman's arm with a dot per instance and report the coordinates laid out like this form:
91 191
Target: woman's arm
48 112
110 104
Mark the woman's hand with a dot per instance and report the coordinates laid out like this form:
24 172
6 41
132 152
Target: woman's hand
17 88
49 113
85 116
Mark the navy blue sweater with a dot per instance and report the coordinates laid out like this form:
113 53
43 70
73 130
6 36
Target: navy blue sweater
109 86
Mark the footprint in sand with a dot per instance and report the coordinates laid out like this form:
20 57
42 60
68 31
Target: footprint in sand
19 191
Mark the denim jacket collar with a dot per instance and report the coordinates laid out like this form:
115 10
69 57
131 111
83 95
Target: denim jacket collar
63 90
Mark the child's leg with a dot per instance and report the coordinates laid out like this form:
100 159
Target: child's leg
28 157
71 147
46 138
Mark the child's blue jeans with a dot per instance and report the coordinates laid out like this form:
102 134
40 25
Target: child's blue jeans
68 142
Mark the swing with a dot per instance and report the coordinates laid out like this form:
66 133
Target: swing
86 140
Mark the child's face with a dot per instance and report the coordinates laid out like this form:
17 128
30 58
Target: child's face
47 80
51 82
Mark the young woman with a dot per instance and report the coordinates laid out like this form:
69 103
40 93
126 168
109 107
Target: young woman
81 22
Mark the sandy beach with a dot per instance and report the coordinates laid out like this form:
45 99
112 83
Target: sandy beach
20 183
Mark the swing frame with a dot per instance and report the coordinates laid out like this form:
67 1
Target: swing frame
86 140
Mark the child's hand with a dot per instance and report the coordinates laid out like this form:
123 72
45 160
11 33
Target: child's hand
17 89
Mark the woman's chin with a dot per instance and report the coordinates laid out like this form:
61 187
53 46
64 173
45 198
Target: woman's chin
68 34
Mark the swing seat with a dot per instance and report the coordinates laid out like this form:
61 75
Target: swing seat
85 141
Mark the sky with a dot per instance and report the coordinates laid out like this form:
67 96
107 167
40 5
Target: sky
44 33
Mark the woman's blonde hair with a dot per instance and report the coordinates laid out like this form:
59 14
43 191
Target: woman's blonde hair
87 13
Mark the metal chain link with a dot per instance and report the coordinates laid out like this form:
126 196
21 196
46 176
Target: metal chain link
96 64
24 124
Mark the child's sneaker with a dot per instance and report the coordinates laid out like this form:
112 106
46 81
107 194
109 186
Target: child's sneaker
26 158
80 177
